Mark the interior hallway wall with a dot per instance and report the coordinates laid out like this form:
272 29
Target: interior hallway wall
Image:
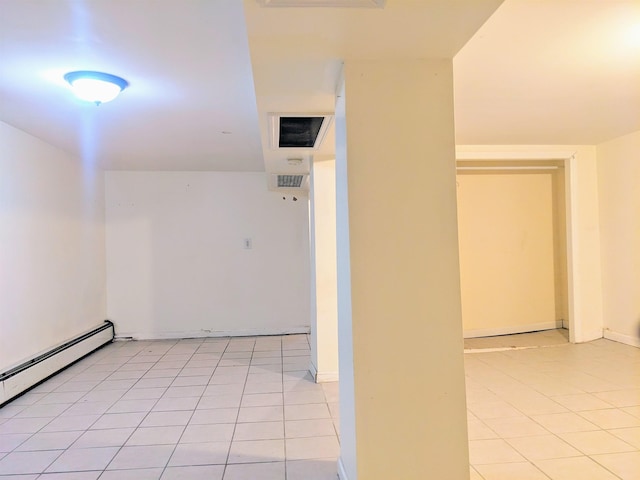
52 255
619 194
177 265
324 286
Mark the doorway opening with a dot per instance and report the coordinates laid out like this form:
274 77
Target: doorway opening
512 226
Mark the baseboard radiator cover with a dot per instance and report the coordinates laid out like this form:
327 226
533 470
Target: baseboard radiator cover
20 378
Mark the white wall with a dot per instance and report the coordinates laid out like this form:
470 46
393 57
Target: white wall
52 258
324 276
619 194
176 263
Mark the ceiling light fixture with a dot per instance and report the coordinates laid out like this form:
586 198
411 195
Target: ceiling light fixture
95 87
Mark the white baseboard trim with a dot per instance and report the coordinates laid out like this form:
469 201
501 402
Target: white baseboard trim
211 333
21 377
622 338
326 377
342 474
322 377
492 332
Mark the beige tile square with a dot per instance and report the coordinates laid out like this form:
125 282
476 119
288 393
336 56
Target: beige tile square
309 428
10 441
84 475
118 420
49 441
209 453
267 387
611 418
478 430
510 471
27 462
156 435
625 465
474 475
262 399
543 447
621 398
497 409
259 431
162 419
83 459
564 422
635 411
629 435
318 469
599 441
312 447
134 474
306 412
581 402
257 451
174 404
198 472
492 451
215 415
230 400
254 471
260 414
574 468
304 396
113 437
216 432
148 456
511 427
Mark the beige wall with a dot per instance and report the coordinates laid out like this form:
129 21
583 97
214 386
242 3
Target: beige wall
619 194
402 252
509 259
583 275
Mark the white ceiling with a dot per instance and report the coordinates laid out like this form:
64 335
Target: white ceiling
537 72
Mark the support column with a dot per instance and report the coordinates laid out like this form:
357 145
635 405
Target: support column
324 294
402 393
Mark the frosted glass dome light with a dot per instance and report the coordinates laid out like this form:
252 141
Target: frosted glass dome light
95 87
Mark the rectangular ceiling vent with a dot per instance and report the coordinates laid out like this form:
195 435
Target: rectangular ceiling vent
296 130
290 181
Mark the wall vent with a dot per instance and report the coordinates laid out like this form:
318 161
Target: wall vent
289 181
298 130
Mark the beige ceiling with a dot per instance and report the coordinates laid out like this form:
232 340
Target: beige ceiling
551 72
538 71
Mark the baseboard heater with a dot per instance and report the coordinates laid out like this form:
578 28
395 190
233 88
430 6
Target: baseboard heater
20 378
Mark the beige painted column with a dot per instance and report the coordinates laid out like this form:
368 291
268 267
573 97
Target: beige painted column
402 393
324 295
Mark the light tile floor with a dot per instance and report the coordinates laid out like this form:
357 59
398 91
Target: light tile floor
245 408
564 412
232 409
